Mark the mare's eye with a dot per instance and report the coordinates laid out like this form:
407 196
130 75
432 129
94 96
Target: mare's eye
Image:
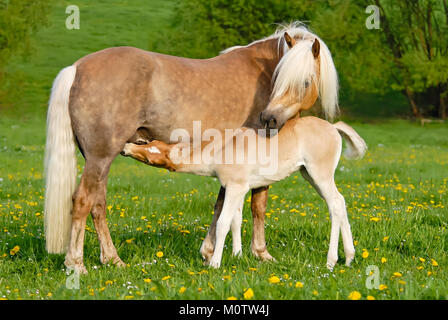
307 83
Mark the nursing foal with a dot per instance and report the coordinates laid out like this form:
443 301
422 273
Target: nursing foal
308 144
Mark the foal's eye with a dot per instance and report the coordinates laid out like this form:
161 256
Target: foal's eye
307 83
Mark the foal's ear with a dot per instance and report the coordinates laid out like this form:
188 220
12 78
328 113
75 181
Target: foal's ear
289 40
316 48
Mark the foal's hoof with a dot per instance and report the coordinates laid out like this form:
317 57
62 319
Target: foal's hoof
348 261
214 264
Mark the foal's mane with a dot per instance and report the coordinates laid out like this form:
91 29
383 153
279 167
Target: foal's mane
297 65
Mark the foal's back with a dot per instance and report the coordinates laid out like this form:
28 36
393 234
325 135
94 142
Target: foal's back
319 144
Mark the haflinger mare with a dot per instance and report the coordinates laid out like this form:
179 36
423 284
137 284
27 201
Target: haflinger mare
309 145
126 95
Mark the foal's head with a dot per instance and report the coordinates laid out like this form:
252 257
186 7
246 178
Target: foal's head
305 73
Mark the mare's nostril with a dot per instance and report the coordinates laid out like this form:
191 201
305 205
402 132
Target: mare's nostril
272 124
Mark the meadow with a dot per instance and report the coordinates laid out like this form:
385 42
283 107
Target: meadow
397 199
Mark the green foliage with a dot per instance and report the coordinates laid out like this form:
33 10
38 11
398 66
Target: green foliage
408 54
202 28
18 19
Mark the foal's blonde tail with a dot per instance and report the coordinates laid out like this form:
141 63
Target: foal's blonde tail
60 164
356 146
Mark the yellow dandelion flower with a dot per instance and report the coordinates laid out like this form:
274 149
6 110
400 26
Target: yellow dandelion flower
108 282
14 250
382 287
434 263
274 279
147 280
422 260
299 284
232 298
354 295
397 274
365 254
159 254
182 290
383 260
166 278
248 294
370 298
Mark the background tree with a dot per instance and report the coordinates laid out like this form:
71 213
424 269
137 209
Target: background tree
18 20
408 54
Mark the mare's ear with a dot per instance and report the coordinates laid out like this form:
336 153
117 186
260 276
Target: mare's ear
289 40
316 48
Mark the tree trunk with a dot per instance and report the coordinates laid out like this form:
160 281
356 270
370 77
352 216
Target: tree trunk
443 105
414 108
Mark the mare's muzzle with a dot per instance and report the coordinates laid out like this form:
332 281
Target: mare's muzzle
268 121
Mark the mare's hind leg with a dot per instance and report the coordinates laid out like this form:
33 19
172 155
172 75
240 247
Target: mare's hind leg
323 180
82 203
90 197
108 251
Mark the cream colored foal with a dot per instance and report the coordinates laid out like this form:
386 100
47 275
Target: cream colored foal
308 144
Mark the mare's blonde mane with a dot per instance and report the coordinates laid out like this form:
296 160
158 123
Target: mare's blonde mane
297 66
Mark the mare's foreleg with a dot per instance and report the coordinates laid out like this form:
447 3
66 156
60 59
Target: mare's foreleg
259 202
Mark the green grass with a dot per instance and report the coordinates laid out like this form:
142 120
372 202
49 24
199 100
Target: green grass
396 198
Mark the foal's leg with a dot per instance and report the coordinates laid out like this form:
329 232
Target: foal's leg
258 205
235 227
208 245
234 198
323 181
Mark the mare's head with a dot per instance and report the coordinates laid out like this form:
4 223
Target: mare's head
304 73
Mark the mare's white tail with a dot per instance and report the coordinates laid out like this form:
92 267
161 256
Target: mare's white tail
60 164
356 146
